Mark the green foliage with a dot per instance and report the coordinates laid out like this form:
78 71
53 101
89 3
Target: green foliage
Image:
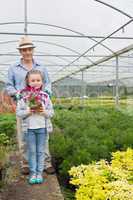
8 124
82 135
4 139
68 194
4 153
7 131
100 181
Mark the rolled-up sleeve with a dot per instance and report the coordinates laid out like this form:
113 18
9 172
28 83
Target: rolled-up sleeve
22 110
47 81
49 110
10 84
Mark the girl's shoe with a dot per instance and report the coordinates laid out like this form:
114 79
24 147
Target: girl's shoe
39 179
32 179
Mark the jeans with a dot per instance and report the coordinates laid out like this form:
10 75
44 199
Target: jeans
21 136
36 154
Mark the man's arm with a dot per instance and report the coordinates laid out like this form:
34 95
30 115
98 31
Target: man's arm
10 84
47 82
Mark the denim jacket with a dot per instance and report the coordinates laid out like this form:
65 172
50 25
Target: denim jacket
16 77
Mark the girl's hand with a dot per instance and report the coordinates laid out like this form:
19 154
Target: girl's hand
29 111
42 110
39 110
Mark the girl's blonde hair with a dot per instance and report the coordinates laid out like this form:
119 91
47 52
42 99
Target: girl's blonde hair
34 71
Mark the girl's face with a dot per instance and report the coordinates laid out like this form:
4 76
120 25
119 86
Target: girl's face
35 80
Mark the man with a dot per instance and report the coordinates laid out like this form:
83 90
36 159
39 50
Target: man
16 77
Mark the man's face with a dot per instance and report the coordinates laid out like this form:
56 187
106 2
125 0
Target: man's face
27 53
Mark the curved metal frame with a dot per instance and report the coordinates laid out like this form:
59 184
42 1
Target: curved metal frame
64 29
99 62
50 43
131 20
97 42
51 62
60 27
114 8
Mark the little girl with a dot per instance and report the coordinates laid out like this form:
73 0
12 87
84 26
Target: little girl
35 108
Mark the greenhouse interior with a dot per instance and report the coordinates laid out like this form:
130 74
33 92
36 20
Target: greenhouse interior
87 48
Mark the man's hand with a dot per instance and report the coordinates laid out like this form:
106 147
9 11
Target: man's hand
41 109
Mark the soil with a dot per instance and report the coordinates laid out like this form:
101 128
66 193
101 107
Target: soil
19 188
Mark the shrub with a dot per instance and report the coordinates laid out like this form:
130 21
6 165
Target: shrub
4 139
88 134
4 155
101 180
8 124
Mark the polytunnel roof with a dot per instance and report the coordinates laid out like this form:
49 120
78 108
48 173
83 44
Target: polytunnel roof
70 36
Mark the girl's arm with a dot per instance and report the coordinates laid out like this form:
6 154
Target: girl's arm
48 111
22 109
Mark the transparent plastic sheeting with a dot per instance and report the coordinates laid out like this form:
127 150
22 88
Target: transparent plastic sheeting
70 37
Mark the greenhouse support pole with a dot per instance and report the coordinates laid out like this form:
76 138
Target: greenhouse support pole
117 83
25 17
82 88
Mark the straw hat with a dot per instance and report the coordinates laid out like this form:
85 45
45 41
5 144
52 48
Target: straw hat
25 42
